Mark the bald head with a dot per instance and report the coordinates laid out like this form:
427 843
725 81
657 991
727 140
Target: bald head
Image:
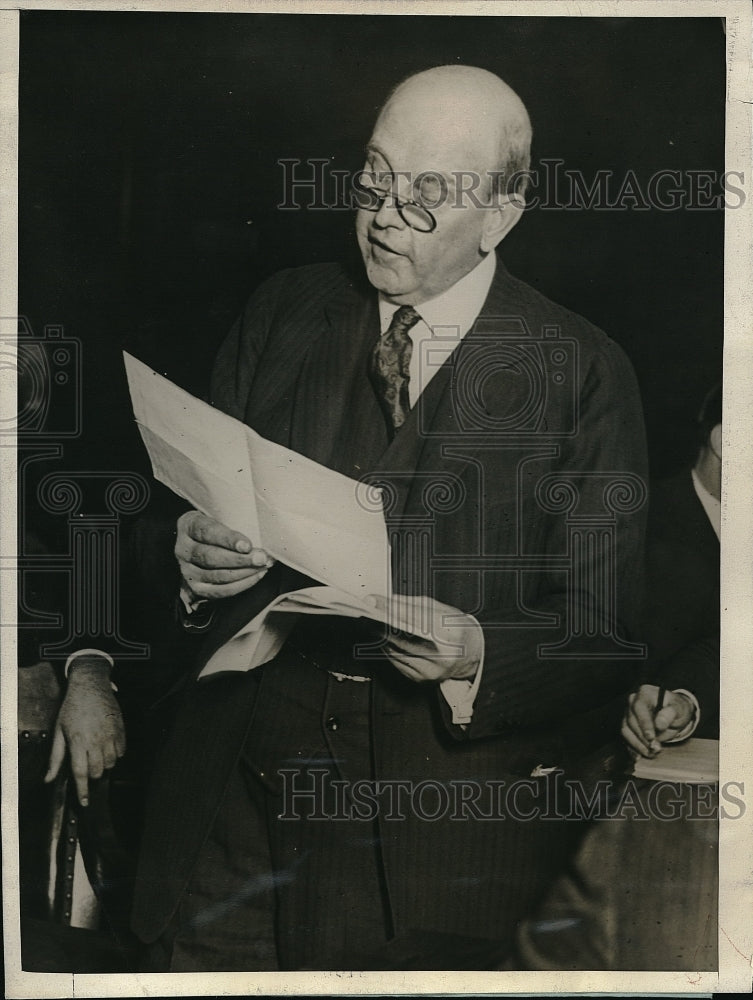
467 114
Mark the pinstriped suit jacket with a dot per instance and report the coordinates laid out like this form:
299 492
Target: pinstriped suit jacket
521 436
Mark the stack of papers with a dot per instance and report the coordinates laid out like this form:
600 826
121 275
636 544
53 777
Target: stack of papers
695 762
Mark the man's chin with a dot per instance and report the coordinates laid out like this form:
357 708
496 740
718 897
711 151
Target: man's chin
387 279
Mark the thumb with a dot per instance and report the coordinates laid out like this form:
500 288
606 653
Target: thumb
665 716
57 754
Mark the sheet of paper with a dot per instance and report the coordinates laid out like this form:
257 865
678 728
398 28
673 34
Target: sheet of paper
694 762
310 516
307 516
197 451
262 638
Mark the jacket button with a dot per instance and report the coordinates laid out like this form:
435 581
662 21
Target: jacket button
332 723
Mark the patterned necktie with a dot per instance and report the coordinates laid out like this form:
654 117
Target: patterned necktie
389 367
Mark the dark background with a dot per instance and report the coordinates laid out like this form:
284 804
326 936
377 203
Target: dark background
148 140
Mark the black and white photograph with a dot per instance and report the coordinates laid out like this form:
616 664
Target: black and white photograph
376 535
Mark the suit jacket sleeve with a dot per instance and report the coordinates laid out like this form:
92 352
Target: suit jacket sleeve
696 668
523 685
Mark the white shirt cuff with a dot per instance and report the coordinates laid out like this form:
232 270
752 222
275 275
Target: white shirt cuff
460 693
191 604
89 652
691 727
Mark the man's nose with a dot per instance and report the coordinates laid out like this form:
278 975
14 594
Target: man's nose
387 215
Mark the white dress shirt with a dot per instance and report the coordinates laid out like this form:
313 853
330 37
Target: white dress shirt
444 322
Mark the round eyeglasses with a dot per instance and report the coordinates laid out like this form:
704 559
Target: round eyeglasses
412 213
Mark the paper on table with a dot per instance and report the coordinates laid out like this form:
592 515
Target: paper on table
694 762
307 516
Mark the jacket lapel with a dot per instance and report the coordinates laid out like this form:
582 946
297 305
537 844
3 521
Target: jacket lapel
336 415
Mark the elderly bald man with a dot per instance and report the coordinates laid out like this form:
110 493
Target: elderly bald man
361 789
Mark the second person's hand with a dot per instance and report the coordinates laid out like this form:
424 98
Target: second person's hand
647 725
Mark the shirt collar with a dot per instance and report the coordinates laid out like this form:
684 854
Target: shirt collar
457 307
711 505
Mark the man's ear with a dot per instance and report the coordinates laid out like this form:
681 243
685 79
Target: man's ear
500 218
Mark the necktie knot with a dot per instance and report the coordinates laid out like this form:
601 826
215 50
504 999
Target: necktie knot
389 367
403 319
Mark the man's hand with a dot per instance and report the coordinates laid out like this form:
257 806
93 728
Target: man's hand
448 650
89 723
216 561
645 729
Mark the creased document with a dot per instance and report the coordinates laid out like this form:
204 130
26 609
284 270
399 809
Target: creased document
263 637
307 516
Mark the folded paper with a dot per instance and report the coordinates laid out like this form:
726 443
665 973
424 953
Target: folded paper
311 518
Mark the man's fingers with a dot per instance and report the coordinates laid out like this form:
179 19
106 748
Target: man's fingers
634 742
205 529
109 756
57 755
644 727
214 557
644 707
409 645
632 723
96 763
80 770
666 719
215 576
417 668
405 666
219 590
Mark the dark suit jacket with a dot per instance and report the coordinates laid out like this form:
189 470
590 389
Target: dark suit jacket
534 419
682 615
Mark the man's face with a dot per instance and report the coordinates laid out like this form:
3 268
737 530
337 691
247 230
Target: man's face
406 265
